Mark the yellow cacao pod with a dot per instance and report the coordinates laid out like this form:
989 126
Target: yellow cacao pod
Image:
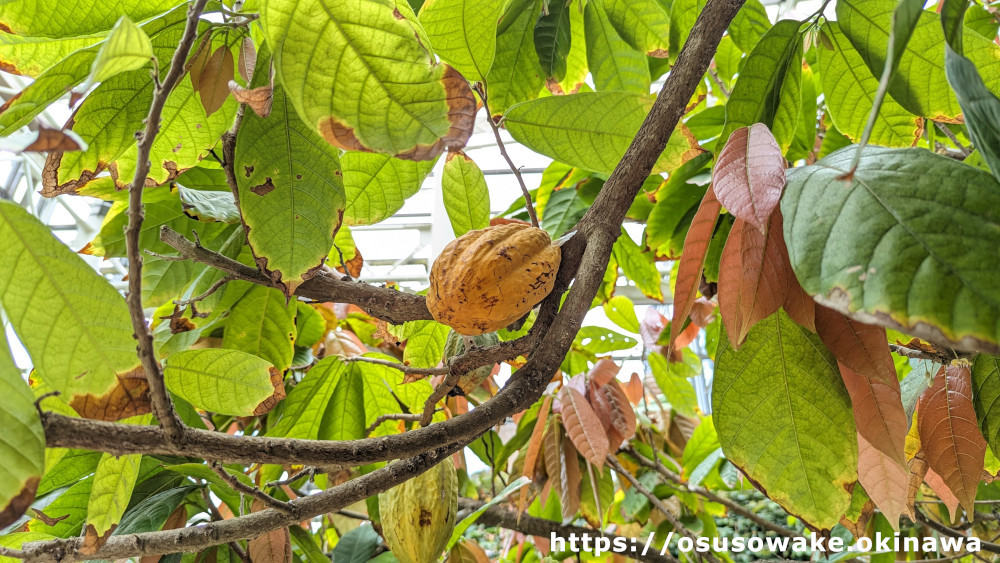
488 278
418 516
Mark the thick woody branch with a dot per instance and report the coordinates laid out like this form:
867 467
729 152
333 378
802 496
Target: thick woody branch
163 408
531 526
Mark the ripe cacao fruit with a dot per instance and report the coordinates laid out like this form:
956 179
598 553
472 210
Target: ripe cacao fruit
418 516
488 278
455 346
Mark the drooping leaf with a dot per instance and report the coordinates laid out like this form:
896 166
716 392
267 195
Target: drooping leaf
23 447
613 63
749 175
553 38
126 48
936 208
516 74
849 89
463 33
377 185
950 438
885 480
209 206
672 380
592 129
583 426
224 381
784 418
290 190
114 480
643 24
364 76
262 323
752 277
73 323
692 262
466 196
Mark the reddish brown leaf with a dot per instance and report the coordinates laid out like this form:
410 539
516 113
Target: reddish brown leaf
634 389
603 371
46 140
467 551
20 503
505 221
620 412
247 59
259 99
600 405
342 343
552 451
798 304
749 174
274 546
196 64
885 480
214 79
937 484
752 283
696 243
862 351
534 447
650 327
702 312
569 481
583 426
93 542
949 435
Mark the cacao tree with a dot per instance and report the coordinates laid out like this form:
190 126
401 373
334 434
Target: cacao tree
817 204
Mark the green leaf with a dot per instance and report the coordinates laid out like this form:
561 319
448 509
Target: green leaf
516 75
980 106
73 323
923 88
638 266
424 343
672 380
223 381
466 197
114 480
613 64
576 60
599 340
670 218
749 25
127 48
757 94
357 546
643 24
23 444
31 56
849 90
469 520
72 18
784 417
683 14
621 311
344 417
310 326
377 185
364 76
263 324
939 210
303 411
592 130
291 193
14 540
71 467
73 504
985 392
463 33
553 39
150 514
563 210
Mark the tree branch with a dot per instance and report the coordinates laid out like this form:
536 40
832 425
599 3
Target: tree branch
255 492
941 528
162 406
481 89
531 526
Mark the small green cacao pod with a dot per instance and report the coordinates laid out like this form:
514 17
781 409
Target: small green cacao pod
418 516
455 346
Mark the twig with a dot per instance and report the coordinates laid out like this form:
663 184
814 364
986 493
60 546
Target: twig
947 133
396 365
162 406
310 471
392 416
934 353
38 401
678 526
353 515
216 516
503 151
212 289
718 81
733 506
440 392
255 492
921 519
11 552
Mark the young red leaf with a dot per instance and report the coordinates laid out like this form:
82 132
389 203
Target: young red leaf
752 283
937 484
248 59
569 481
552 451
634 389
885 481
214 81
702 312
534 447
696 243
650 328
749 174
272 547
870 377
600 405
620 412
603 371
952 443
583 426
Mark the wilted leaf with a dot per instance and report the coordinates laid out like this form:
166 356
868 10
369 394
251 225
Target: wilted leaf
247 60
260 99
43 140
583 426
692 263
129 397
749 175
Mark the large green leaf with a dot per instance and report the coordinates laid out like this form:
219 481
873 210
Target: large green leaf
592 129
344 418
784 418
363 75
223 381
613 63
683 14
463 33
126 48
73 323
985 392
638 266
31 56
643 24
757 94
72 18
262 323
303 411
114 480
516 75
71 506
291 191
466 197
922 86
23 445
377 185
850 89
908 243
553 39
672 380
564 209
424 343
749 25
670 218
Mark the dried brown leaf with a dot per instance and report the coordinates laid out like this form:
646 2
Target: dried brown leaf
534 447
258 99
623 421
129 397
749 174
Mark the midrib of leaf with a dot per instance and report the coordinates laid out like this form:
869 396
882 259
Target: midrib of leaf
66 302
368 183
791 412
223 375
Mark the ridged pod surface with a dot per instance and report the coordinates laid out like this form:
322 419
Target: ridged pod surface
418 516
455 346
488 278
